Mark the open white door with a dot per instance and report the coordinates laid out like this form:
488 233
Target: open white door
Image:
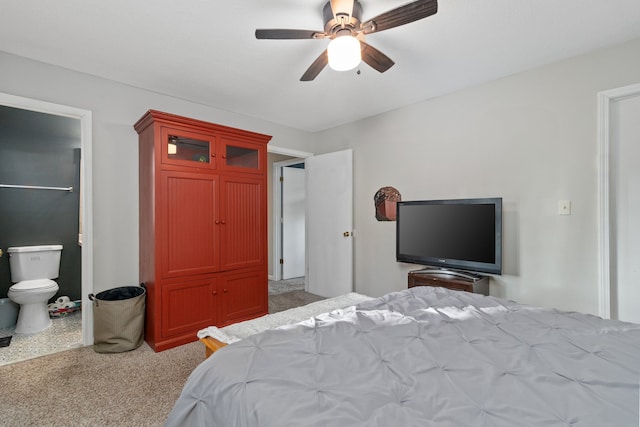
625 208
329 195
293 212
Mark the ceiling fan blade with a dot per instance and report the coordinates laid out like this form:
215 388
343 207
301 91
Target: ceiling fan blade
375 59
315 68
283 34
342 7
400 16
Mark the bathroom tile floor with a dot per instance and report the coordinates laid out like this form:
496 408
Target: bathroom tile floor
65 333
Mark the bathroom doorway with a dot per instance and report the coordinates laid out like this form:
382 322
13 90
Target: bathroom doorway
48 145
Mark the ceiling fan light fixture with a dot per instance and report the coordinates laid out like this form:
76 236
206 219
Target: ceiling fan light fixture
344 53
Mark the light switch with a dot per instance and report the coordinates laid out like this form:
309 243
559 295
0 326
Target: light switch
564 207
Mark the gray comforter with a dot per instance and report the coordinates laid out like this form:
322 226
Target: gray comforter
423 357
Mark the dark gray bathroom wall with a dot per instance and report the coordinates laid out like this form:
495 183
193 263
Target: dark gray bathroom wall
41 150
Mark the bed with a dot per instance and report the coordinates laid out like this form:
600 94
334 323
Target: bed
425 356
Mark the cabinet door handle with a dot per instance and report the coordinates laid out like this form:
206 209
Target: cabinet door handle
224 290
213 154
223 222
217 222
215 292
224 156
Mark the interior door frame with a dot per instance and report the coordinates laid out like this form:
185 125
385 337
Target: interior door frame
85 117
605 100
278 168
298 157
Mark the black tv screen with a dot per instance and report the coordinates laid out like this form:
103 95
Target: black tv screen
462 234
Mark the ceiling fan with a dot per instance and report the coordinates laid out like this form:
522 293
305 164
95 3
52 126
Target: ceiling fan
342 18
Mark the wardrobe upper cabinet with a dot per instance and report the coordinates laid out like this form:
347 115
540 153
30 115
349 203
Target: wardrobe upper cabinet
241 156
182 147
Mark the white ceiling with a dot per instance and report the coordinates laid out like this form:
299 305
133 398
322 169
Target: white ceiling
205 51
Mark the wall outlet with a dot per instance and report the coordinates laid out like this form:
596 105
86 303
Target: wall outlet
564 207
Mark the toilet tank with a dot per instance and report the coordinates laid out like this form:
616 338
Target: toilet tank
34 262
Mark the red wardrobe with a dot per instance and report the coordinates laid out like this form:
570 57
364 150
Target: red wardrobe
203 226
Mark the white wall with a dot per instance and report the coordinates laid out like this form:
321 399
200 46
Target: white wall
529 138
116 107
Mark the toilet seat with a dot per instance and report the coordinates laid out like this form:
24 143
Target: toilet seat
34 285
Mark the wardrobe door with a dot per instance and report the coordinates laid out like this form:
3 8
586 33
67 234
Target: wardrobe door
182 147
243 222
188 306
243 295
188 211
242 156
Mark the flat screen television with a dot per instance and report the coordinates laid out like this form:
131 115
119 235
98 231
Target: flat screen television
461 234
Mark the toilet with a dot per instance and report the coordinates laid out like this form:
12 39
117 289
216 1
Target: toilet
32 268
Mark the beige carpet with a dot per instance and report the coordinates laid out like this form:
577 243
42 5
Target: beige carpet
287 300
83 388
286 285
80 387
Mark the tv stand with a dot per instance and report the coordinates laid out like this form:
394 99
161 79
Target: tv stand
450 279
434 271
